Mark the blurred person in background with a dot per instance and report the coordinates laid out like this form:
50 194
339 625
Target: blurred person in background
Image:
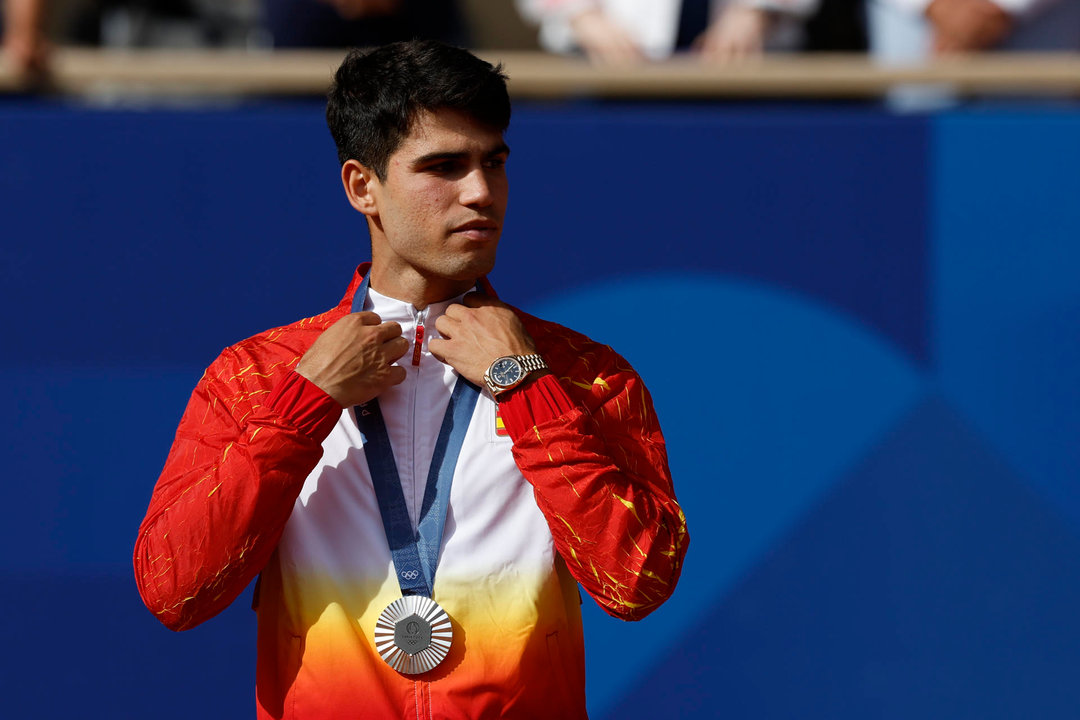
250 23
25 46
905 32
362 23
915 30
625 31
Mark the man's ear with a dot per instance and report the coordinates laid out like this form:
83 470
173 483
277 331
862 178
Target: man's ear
358 182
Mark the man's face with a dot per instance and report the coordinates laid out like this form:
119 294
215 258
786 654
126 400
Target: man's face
438 213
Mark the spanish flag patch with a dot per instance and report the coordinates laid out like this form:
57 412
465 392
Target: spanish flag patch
500 426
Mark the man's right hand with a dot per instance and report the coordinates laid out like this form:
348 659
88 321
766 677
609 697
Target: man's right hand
352 361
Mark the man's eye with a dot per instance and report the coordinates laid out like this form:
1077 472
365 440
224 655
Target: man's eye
495 163
443 167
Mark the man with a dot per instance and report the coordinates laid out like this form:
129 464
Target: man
421 424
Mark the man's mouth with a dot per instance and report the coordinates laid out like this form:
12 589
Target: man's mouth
478 229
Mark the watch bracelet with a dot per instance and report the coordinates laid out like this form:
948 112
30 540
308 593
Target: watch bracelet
532 363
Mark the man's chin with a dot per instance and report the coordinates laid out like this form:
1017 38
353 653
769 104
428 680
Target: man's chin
465 274
479 264
474 274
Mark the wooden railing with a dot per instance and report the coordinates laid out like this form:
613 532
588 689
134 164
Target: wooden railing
537 75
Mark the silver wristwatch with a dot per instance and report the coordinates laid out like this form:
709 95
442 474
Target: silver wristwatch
509 371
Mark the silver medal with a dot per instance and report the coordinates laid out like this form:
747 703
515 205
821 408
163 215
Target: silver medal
413 634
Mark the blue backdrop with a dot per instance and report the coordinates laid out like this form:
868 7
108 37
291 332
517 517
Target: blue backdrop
861 331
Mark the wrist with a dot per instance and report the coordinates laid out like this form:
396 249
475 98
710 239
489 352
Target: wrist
509 372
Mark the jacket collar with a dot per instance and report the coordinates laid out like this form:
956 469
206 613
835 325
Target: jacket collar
365 268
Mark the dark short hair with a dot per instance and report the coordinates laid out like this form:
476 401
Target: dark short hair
377 95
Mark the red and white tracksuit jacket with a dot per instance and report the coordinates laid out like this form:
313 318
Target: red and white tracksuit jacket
565 482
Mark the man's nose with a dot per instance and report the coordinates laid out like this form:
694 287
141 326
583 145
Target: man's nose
476 188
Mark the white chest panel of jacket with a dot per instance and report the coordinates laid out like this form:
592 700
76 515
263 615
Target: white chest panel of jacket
334 545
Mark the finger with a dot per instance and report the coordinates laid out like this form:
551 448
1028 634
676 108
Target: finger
366 317
459 311
396 375
388 331
435 347
447 327
395 349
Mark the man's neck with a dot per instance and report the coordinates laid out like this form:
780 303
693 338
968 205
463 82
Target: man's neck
415 289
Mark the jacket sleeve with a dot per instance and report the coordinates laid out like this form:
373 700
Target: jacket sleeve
242 452
601 478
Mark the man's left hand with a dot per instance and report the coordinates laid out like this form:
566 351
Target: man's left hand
476 333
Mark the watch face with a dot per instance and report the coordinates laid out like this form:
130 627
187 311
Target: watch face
505 371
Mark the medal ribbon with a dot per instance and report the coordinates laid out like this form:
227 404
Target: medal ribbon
415 552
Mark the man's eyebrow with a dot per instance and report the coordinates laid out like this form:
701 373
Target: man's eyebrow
500 149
